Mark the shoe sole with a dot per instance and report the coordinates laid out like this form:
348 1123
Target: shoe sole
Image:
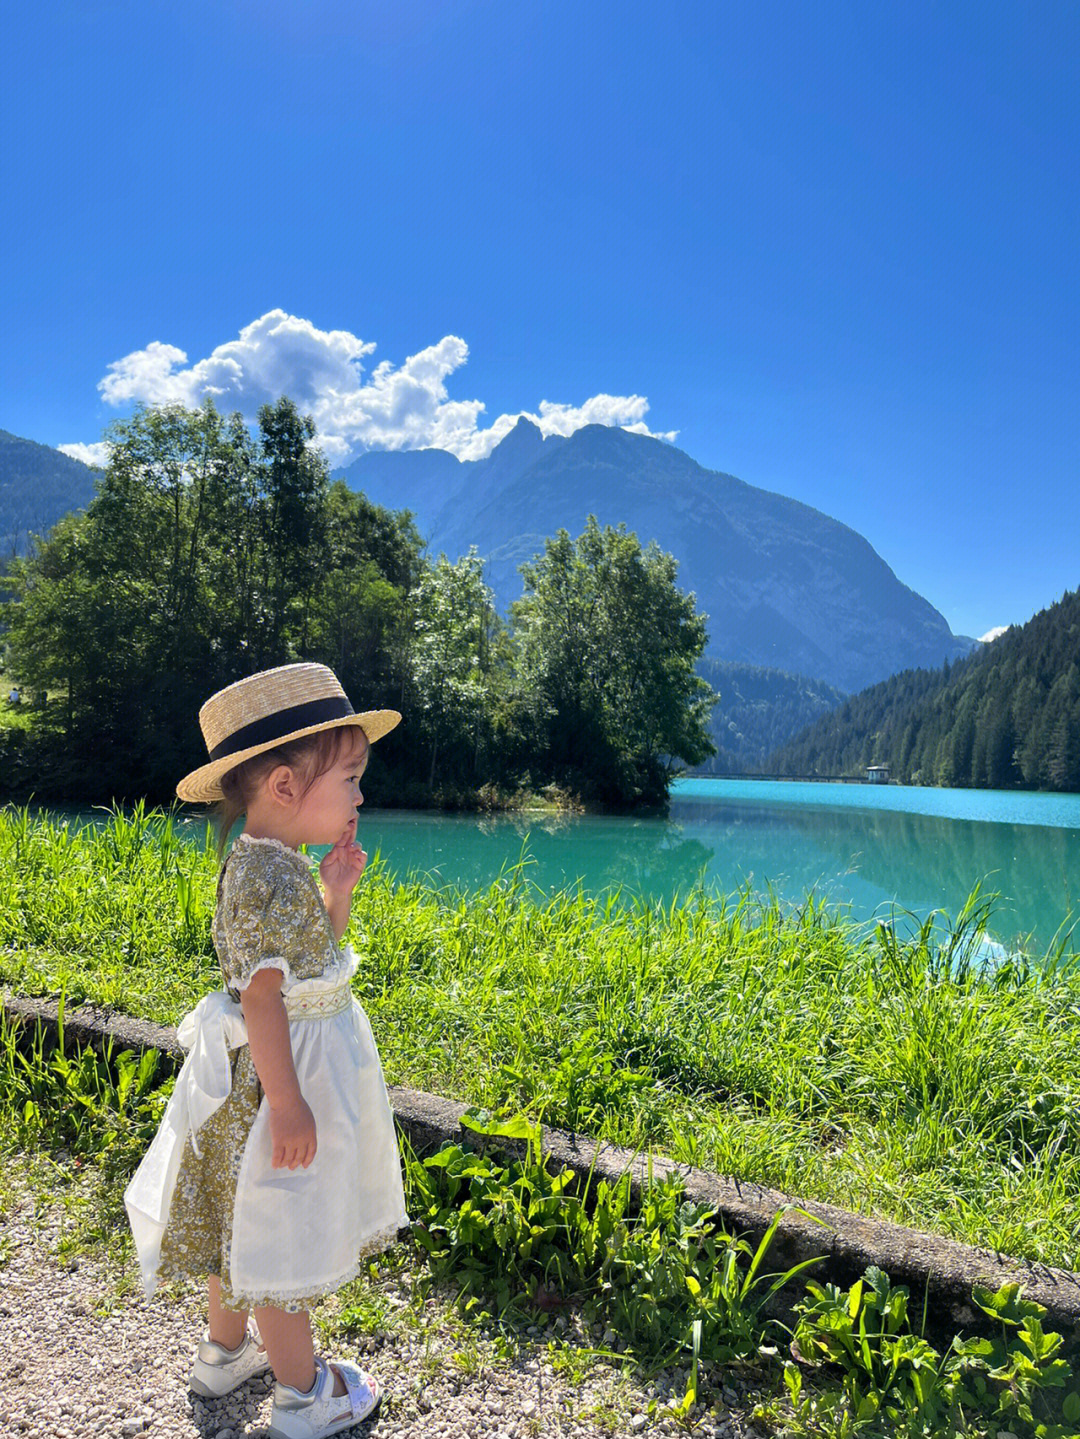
197 1386
350 1423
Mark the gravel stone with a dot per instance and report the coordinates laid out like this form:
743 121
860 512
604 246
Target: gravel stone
68 1373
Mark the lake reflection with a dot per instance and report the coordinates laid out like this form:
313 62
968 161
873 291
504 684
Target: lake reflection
874 859
833 841
652 857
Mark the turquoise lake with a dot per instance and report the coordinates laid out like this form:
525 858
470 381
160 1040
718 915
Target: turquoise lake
874 849
877 850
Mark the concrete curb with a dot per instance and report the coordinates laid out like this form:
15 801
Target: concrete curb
926 1263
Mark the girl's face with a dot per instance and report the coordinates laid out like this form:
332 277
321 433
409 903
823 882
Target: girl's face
327 812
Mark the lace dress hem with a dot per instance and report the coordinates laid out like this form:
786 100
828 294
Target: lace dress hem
294 1301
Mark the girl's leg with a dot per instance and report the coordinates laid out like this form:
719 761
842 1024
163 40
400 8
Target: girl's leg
289 1348
227 1326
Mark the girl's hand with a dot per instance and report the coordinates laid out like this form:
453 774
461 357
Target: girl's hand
341 868
292 1133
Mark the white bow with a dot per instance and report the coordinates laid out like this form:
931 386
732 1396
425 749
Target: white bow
214 1027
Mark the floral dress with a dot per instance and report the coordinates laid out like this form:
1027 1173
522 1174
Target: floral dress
205 1198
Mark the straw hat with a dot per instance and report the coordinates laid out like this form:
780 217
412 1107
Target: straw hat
268 709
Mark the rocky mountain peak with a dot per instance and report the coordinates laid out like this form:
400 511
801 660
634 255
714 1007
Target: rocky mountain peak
783 585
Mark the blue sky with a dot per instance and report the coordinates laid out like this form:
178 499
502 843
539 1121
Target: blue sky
831 248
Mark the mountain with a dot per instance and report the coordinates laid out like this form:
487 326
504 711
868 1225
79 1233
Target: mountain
785 587
405 479
37 486
1008 716
758 711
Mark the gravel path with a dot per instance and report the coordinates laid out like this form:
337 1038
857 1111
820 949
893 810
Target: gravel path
78 1357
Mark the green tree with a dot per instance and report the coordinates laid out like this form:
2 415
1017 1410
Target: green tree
355 627
293 480
1062 750
1008 714
606 653
361 626
204 555
962 742
451 666
117 607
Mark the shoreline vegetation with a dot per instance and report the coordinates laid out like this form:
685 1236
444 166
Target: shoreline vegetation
487 798
908 1079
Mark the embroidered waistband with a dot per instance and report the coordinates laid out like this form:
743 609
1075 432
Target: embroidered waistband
320 1005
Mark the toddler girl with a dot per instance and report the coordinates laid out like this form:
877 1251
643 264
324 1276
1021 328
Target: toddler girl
275 1168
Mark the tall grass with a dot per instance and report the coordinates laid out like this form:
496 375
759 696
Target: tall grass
902 1076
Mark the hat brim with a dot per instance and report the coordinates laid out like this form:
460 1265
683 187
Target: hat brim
203 785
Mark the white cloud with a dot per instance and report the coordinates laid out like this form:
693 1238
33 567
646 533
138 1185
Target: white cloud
147 375
623 410
89 454
991 635
402 407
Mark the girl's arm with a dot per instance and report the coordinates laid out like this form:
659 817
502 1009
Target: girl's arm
338 907
292 1125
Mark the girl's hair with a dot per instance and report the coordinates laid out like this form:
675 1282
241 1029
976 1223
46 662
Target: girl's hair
312 755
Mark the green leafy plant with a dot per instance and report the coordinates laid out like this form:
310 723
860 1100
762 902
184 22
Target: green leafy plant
672 1267
865 1332
488 1228
893 1381
1012 1376
101 1106
664 1277
586 1084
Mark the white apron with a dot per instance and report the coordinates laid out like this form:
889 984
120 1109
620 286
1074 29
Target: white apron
296 1232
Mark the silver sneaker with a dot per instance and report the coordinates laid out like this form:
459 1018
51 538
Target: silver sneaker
218 1371
319 1413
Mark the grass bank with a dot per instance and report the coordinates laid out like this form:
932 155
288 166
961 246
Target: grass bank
902 1078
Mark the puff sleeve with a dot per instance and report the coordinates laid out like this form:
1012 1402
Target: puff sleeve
266 917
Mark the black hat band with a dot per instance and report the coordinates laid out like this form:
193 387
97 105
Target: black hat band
281 723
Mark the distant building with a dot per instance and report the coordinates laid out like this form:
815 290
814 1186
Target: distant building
877 774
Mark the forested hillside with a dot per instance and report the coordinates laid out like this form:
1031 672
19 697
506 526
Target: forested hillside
37 486
758 710
1008 716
